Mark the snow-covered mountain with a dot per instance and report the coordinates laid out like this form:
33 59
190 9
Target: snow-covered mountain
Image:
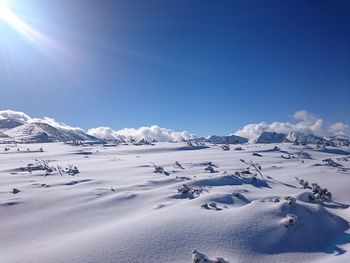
43 132
299 137
10 123
339 140
271 137
3 135
19 127
230 139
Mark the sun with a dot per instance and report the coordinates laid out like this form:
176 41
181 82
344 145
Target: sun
28 32
6 15
21 24
9 17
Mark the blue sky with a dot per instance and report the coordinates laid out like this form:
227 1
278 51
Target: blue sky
203 66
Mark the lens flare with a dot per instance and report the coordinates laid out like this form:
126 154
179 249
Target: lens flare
30 33
21 42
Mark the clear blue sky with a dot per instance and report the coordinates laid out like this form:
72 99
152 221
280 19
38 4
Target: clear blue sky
203 66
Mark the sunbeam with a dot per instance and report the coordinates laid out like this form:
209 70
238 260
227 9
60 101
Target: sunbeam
30 33
16 29
26 30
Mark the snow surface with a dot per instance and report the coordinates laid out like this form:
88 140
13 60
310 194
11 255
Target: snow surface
117 209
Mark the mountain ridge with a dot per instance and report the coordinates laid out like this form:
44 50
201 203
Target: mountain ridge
18 127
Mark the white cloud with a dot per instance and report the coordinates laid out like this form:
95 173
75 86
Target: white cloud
339 128
305 122
148 133
104 133
308 122
10 114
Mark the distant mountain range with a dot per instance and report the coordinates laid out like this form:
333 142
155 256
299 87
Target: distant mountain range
230 139
301 138
17 127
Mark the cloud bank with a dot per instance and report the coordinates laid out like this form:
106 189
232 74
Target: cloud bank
339 128
149 133
305 122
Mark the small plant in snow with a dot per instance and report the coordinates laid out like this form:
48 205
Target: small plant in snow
213 205
188 192
330 162
208 164
184 189
198 257
257 154
256 166
39 165
304 155
205 206
72 170
276 148
290 200
244 172
15 191
238 149
276 200
160 170
225 147
178 164
209 206
288 157
210 169
290 220
319 194
303 183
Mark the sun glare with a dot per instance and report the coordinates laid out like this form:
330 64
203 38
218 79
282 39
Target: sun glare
5 13
10 15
